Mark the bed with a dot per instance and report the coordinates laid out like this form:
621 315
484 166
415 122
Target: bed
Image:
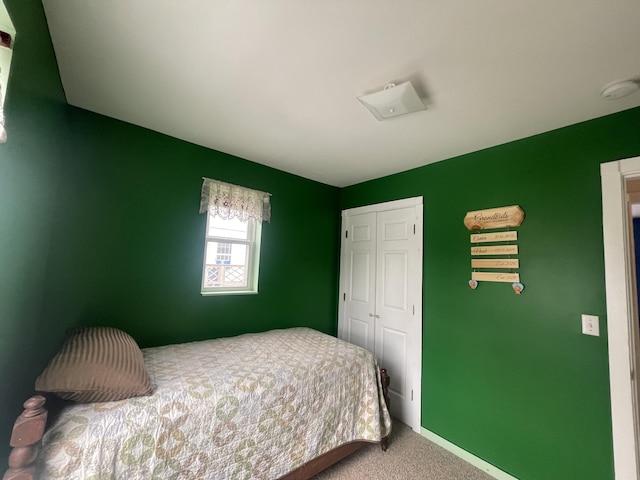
279 404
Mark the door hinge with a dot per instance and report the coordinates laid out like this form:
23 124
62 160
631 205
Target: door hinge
344 297
346 234
414 228
414 309
412 395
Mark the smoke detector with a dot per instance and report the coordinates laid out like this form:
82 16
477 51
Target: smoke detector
620 88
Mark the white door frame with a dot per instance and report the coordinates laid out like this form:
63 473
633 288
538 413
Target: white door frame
621 327
381 207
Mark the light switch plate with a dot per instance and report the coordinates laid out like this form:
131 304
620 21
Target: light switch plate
591 325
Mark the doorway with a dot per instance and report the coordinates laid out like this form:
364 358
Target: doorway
619 179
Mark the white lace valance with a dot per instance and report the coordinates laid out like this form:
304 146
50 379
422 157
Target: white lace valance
229 201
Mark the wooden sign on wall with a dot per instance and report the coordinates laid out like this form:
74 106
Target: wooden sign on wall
495 277
484 244
494 237
495 263
501 217
495 250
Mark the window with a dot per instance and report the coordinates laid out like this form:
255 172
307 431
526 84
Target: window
232 239
231 255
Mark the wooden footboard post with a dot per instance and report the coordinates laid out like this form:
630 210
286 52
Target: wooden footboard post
384 377
25 440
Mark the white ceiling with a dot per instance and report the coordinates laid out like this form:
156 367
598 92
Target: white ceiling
276 81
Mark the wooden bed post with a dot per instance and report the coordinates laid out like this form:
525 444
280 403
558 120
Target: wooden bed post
25 440
384 377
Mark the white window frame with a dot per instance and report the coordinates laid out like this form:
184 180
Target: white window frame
253 263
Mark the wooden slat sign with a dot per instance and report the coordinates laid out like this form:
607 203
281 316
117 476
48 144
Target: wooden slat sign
495 263
495 277
495 250
501 217
494 237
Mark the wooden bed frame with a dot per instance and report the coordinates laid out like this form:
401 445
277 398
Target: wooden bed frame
30 426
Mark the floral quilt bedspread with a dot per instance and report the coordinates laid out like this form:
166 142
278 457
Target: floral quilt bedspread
254 406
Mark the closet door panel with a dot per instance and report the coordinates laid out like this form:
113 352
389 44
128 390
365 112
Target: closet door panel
358 277
396 324
394 281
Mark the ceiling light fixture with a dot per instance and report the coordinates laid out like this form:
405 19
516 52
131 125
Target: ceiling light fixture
620 88
392 101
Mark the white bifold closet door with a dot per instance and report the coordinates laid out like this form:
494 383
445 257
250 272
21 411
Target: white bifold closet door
381 295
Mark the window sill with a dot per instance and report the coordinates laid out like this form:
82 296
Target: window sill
229 292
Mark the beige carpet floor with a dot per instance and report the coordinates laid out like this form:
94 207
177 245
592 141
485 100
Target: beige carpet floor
410 456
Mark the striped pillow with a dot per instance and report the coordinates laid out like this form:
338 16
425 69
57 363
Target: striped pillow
96 364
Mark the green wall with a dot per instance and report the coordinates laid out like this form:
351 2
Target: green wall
30 172
510 378
99 224
127 247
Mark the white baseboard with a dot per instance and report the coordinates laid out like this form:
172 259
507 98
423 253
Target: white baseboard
466 456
